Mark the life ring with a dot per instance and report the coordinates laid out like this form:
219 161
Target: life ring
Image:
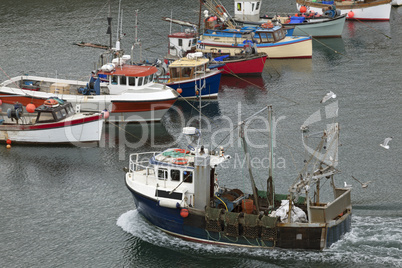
180 161
220 10
51 103
183 151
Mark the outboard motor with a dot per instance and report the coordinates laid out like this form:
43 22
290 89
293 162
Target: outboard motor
16 112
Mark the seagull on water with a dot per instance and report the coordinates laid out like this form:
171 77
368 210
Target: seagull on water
328 96
385 144
346 185
364 184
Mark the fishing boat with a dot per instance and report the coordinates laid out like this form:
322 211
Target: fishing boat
55 122
192 78
355 10
128 92
329 24
241 64
270 39
178 191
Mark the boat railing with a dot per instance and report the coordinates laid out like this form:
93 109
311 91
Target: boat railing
140 162
327 213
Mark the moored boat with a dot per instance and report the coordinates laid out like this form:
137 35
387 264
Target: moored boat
192 78
241 64
55 122
271 40
330 24
128 92
355 10
177 190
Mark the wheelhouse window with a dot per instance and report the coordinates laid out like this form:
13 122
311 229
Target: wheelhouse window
175 175
186 72
266 37
140 80
252 6
123 80
146 79
174 73
131 81
162 173
45 117
258 6
115 79
59 115
194 41
238 7
70 109
180 42
188 176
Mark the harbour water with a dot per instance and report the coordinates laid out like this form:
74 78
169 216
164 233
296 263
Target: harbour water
68 206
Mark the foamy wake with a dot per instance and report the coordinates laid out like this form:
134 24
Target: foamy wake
373 240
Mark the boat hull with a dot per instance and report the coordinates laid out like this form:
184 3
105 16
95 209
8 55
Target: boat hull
210 80
328 28
314 27
376 10
74 130
290 47
194 228
245 66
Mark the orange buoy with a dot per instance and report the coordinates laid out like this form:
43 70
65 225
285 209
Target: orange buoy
30 107
180 161
179 90
303 9
184 213
8 146
8 141
351 14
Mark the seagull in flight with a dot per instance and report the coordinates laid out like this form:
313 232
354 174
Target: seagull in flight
385 144
328 96
364 184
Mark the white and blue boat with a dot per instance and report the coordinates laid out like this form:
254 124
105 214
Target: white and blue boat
191 77
270 38
177 190
307 23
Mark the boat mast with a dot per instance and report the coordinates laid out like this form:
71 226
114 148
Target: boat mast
136 40
270 186
255 193
109 22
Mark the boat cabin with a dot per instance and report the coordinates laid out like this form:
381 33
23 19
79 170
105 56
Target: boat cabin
182 43
124 77
185 69
269 35
247 10
54 110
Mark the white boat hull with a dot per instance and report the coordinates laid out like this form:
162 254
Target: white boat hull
76 129
287 48
367 12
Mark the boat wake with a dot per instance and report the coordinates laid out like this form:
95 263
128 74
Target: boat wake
372 241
